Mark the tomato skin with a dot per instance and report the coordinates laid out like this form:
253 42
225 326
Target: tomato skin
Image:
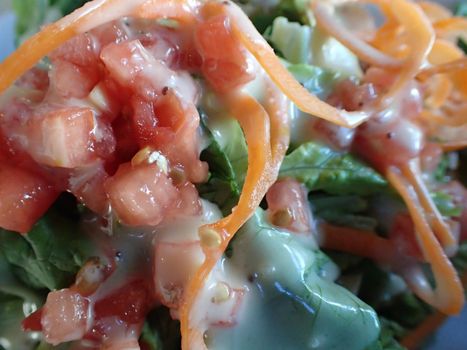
24 198
32 323
224 62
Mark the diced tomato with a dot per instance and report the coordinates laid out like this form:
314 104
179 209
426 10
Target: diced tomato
70 80
224 61
188 202
402 233
389 143
120 312
174 264
141 195
68 137
24 198
80 50
112 32
129 303
333 135
144 121
288 206
87 184
132 65
35 78
126 138
64 316
177 135
224 313
352 97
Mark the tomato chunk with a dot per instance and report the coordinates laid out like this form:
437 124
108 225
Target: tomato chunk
288 206
141 195
64 316
67 137
174 264
24 198
224 61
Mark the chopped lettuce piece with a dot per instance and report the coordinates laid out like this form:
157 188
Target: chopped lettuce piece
321 168
308 45
227 156
49 255
390 331
292 39
317 80
288 295
444 203
32 14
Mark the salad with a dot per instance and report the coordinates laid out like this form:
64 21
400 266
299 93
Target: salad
215 175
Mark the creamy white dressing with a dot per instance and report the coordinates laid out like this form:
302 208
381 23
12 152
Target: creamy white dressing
286 305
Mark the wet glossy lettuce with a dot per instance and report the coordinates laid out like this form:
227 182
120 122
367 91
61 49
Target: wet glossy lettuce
293 303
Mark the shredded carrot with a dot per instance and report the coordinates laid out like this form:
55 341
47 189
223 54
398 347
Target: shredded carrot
434 11
451 28
448 295
438 91
444 51
254 121
245 31
92 14
420 39
324 18
412 173
460 64
358 242
452 146
415 337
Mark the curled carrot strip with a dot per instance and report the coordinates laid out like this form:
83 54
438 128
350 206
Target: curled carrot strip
460 64
434 11
438 92
448 295
245 31
420 39
91 15
357 242
451 28
367 53
261 174
412 173
444 51
452 146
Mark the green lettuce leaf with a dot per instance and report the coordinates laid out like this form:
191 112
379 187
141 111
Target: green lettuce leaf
291 293
291 39
321 168
160 331
227 156
49 255
32 14
317 80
